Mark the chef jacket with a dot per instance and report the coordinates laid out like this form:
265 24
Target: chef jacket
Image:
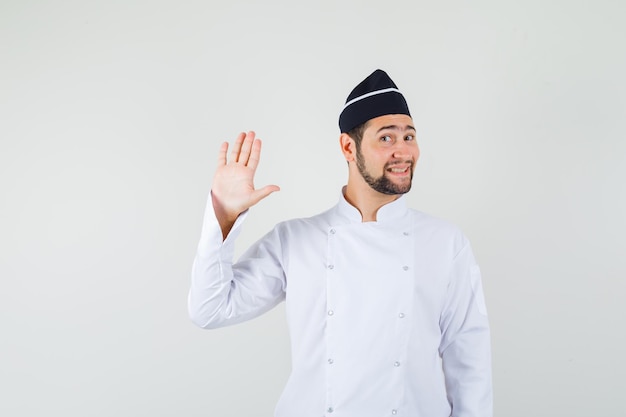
386 318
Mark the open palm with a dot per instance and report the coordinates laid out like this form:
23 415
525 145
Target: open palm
233 185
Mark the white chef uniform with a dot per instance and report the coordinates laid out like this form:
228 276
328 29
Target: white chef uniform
386 318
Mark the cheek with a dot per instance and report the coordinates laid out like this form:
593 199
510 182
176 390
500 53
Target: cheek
416 153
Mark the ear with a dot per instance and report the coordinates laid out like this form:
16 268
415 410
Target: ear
348 147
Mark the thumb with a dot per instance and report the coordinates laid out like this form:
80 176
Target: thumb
261 193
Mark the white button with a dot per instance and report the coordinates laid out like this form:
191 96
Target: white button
401 315
331 361
332 231
331 312
331 266
396 364
394 412
405 233
330 409
406 268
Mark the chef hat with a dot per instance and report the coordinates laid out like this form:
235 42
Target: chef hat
377 95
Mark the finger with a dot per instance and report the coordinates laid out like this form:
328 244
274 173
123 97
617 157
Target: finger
255 154
234 153
221 157
261 193
244 155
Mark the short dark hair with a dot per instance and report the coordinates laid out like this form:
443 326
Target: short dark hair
356 133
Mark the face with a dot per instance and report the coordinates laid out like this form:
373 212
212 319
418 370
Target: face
388 153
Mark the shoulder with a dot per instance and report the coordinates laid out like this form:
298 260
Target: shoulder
319 221
438 230
426 220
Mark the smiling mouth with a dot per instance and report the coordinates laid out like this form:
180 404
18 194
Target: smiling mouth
400 168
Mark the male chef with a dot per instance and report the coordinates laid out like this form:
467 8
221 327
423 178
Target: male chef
384 303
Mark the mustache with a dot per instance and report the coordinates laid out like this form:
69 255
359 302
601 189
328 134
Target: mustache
395 162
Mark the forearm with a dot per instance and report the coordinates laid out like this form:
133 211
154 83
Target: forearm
224 293
467 369
212 272
466 343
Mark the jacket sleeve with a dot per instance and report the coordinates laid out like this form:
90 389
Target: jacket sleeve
465 345
224 293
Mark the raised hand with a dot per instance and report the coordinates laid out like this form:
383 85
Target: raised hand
233 189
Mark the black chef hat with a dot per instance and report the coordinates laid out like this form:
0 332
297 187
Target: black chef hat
377 95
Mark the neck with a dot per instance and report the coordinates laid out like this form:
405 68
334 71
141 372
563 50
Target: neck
365 199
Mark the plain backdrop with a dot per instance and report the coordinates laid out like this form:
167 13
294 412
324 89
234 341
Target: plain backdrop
111 115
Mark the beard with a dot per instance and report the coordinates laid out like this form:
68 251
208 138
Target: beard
383 184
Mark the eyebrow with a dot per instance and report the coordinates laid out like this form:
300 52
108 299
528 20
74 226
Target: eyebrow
395 127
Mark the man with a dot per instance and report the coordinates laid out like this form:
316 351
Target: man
384 303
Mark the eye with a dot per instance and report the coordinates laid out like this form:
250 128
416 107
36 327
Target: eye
409 138
385 138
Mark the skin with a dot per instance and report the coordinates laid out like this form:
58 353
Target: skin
388 149
378 173
233 190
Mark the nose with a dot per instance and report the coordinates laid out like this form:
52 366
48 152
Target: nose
401 154
405 150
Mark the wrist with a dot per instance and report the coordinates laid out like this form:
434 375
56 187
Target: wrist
227 213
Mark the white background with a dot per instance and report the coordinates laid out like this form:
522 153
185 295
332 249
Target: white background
111 114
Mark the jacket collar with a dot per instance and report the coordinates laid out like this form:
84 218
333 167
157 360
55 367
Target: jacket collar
389 212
